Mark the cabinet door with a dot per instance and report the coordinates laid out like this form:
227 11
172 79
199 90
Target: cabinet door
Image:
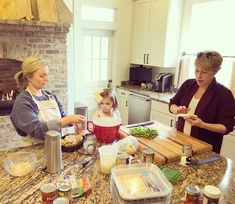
122 97
228 145
123 109
140 31
158 32
162 118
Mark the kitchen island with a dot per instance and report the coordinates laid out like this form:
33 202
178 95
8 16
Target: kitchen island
24 190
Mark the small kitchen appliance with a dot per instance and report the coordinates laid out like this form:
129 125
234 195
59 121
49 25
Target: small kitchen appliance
163 82
52 152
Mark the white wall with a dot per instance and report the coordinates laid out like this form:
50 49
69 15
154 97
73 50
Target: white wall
121 46
70 62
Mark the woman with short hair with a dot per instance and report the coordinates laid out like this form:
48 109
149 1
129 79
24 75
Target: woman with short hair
211 104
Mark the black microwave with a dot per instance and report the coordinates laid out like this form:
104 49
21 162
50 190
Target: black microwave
140 74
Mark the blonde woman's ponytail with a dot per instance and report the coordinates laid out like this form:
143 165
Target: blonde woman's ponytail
21 81
28 67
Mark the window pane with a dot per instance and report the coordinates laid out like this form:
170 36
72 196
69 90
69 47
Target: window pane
96 47
104 70
87 70
97 13
104 47
87 46
95 70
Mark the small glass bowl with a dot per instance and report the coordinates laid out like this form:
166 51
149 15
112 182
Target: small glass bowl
19 163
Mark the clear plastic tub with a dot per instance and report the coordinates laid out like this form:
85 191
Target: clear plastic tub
139 183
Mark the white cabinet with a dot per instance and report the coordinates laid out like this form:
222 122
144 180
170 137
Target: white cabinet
228 145
156 27
160 113
122 98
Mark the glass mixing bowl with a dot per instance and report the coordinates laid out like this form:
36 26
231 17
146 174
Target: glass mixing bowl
19 163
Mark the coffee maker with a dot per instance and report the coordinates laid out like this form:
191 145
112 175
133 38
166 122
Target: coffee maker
163 82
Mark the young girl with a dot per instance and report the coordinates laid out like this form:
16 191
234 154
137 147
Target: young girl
108 105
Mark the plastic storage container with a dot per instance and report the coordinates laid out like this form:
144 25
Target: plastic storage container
139 183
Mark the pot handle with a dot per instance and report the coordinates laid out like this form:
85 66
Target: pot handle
90 126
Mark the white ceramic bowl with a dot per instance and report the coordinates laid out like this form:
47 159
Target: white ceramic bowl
19 163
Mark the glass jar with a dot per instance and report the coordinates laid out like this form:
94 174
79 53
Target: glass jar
211 194
65 189
186 156
90 145
192 195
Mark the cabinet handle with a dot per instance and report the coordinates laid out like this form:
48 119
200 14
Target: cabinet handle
147 59
126 103
171 122
123 93
144 58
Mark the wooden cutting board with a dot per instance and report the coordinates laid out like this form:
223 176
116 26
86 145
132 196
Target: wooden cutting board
169 143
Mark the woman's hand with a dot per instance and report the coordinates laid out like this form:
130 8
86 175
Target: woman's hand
179 109
71 119
195 121
78 128
182 109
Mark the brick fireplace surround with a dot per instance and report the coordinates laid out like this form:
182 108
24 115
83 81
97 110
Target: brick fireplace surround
19 39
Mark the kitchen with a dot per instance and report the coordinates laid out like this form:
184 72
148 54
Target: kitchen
120 67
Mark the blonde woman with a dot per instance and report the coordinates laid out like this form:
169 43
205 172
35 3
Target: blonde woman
211 104
36 110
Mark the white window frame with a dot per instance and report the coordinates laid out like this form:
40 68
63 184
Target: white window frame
101 33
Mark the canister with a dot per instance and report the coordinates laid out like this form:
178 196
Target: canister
61 200
192 194
49 192
147 155
211 194
123 158
186 156
65 189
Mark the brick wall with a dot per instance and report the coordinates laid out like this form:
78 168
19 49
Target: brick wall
20 39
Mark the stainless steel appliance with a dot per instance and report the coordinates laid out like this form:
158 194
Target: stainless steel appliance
52 152
139 108
163 82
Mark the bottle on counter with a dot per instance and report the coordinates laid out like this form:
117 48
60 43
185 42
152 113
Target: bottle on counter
186 156
110 86
90 145
211 195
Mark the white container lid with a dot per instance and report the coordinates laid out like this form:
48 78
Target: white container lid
212 191
140 181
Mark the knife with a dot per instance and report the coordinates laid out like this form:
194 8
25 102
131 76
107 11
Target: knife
141 124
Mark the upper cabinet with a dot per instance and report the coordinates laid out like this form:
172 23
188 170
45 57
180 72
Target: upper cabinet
156 27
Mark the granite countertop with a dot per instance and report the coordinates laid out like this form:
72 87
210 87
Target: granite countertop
163 97
25 189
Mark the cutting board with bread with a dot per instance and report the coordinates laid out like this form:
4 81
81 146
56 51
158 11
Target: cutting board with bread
168 143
